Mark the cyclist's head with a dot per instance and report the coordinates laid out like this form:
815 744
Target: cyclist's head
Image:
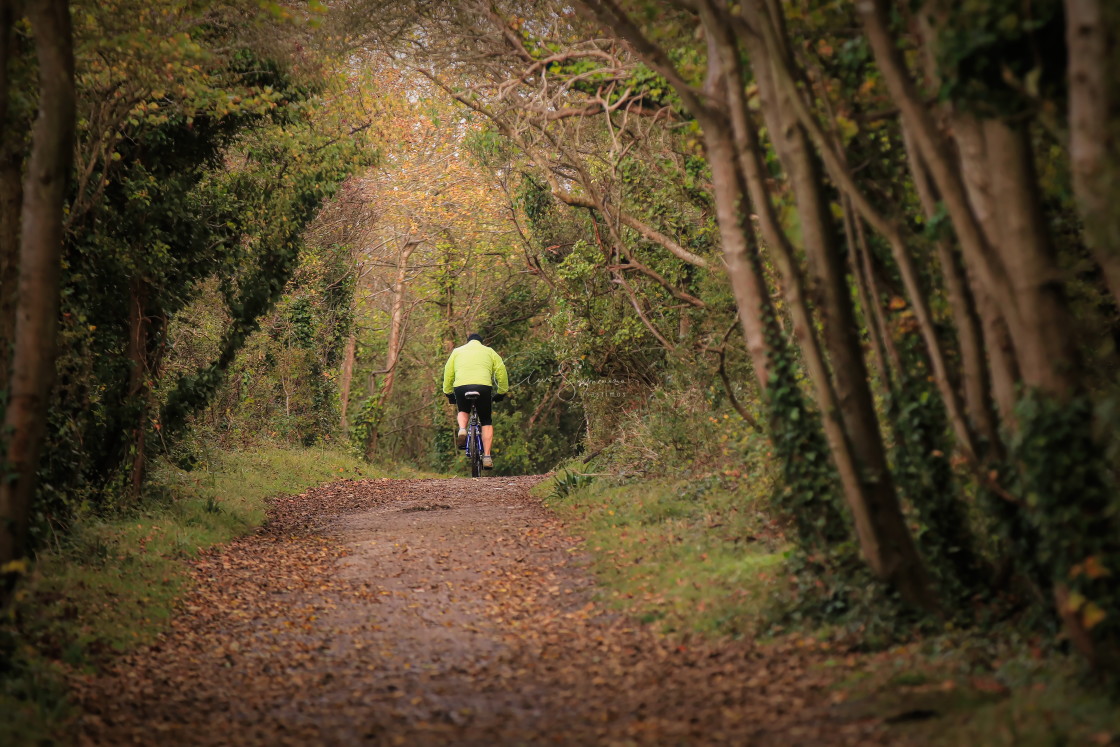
474 336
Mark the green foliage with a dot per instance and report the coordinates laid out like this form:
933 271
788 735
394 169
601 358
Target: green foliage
197 195
302 322
271 220
535 200
488 147
33 695
1001 58
284 381
365 422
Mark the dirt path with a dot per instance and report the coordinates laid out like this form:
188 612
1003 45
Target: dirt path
438 612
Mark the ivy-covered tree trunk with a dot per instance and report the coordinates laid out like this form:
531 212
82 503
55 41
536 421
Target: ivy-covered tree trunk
32 368
884 539
828 282
991 192
938 157
976 378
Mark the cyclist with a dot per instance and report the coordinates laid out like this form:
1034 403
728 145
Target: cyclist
475 367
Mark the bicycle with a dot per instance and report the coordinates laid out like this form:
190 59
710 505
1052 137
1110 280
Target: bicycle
473 446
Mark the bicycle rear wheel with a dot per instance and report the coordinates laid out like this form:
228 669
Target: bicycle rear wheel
474 447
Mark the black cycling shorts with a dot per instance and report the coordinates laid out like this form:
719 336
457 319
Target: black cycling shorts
484 403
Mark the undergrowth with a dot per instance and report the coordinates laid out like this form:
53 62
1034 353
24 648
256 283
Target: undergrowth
112 582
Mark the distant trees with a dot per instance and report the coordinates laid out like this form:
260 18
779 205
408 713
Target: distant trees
434 250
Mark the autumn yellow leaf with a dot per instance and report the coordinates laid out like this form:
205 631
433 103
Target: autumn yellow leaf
1092 615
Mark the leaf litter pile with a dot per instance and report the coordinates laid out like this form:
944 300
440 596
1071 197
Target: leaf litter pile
440 612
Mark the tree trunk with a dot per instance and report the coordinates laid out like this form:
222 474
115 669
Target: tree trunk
940 161
447 306
868 488
748 287
32 369
1002 360
860 262
8 17
1048 357
138 345
1093 40
11 195
396 324
977 382
393 353
828 282
346 378
1000 351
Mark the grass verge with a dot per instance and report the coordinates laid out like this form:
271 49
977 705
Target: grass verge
691 556
112 583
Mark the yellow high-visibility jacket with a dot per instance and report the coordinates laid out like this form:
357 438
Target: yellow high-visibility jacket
474 363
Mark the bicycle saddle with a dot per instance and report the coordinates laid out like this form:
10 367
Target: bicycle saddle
470 395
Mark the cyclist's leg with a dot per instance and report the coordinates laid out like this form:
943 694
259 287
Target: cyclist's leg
462 416
462 405
487 438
